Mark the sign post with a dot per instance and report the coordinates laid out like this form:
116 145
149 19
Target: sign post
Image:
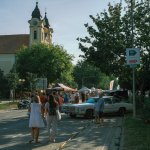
133 57
133 61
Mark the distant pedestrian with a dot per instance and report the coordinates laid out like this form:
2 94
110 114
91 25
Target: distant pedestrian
36 121
42 98
61 100
87 96
72 98
96 112
51 117
83 97
101 108
66 98
77 98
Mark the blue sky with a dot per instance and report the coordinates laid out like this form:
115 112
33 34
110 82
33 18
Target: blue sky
66 17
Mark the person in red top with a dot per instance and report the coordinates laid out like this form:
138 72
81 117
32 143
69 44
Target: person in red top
42 98
61 100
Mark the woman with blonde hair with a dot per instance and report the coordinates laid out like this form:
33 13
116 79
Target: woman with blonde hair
36 121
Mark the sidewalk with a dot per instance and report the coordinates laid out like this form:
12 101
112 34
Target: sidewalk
117 140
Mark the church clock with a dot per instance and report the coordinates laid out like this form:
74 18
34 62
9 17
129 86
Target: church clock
34 23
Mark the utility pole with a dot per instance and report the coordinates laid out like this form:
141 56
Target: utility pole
132 40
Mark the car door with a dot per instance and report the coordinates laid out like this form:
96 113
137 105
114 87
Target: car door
117 104
109 106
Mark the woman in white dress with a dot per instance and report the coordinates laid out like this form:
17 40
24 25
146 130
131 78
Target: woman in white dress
36 120
51 118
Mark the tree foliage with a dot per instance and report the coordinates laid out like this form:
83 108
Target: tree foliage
4 89
105 47
49 61
90 76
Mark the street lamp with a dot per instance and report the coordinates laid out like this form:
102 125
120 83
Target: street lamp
21 80
86 77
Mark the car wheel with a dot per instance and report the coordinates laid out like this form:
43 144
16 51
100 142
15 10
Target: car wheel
19 106
121 112
72 116
89 114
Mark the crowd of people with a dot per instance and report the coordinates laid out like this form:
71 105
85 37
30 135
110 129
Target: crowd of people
47 106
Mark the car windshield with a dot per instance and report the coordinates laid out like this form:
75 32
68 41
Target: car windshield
91 100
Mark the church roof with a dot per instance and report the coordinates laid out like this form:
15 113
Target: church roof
9 44
36 13
47 25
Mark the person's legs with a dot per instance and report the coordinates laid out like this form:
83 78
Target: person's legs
37 134
101 118
49 136
32 134
49 126
54 138
54 127
96 119
102 121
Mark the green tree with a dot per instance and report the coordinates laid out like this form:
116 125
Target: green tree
4 90
105 47
48 61
91 76
13 82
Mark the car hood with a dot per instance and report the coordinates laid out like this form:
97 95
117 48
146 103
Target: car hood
81 105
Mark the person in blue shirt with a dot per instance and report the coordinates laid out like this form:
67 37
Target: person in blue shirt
101 108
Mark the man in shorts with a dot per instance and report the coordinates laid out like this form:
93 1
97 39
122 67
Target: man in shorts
101 108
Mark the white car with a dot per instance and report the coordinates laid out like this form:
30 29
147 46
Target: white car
112 105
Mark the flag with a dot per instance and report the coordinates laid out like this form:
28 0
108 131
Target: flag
111 85
118 87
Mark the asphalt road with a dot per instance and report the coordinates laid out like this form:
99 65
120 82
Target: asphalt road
73 133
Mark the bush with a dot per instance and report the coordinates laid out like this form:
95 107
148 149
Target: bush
145 113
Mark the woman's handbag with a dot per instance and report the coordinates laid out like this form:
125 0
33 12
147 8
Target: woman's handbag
58 115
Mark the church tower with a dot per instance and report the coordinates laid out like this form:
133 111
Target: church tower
40 31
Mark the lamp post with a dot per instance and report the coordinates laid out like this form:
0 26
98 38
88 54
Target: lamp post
86 77
21 80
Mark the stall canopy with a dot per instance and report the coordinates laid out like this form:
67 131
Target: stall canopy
84 89
59 87
92 89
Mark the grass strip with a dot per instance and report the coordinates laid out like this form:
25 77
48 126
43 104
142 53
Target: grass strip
8 106
136 134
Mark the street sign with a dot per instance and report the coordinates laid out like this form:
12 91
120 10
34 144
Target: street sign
41 84
133 57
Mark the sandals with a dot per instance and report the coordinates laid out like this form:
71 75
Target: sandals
31 141
37 142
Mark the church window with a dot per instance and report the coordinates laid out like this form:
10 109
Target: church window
35 34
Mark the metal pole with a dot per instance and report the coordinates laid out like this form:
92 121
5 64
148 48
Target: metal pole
21 91
82 81
43 84
134 110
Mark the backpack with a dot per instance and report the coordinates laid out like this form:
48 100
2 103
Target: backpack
52 111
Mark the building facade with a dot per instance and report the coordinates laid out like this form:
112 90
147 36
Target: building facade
40 32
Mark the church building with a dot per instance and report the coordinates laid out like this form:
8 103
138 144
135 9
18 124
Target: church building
40 32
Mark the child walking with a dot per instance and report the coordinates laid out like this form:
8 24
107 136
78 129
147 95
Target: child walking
96 112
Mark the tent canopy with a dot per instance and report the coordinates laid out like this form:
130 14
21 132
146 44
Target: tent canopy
84 89
60 87
92 89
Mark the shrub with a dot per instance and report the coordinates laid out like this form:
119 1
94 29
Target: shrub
145 112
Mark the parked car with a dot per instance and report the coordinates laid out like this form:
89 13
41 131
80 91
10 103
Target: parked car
112 105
